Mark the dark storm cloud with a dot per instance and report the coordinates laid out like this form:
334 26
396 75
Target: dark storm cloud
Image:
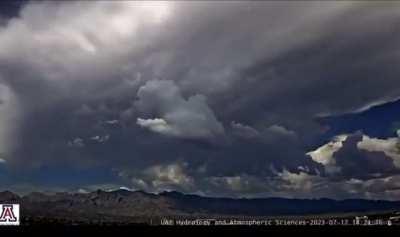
334 74
214 98
10 9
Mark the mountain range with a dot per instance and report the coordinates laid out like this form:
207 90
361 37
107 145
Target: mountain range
124 207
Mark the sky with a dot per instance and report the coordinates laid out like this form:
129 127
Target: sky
222 99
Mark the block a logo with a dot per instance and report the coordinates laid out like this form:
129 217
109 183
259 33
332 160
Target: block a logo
9 214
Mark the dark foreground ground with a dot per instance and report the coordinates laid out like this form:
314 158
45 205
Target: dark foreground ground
352 219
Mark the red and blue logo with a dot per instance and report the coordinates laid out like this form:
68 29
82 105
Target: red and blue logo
9 214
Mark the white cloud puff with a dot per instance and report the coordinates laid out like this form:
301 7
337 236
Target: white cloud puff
160 177
390 146
157 125
172 174
191 118
324 154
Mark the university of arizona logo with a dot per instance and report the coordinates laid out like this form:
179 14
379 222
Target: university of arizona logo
9 214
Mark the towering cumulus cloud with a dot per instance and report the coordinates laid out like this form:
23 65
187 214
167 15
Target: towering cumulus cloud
217 98
190 118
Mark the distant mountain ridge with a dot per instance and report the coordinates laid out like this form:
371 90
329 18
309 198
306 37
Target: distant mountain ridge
124 205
